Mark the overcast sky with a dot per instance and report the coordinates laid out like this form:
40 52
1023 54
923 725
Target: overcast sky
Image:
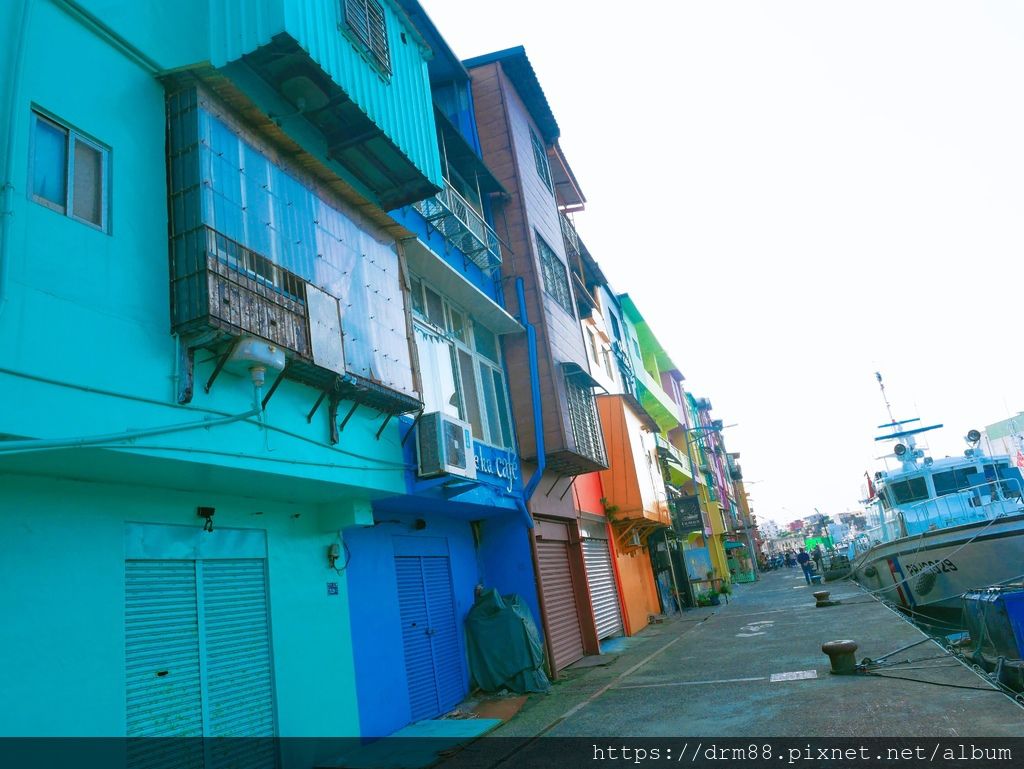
798 194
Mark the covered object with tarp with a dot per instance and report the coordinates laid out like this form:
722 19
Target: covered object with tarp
504 647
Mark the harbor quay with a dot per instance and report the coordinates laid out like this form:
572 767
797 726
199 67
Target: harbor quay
771 678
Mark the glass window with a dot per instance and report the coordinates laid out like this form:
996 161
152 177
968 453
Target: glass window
490 406
910 490
616 332
540 159
462 380
50 164
503 413
435 308
555 276
416 289
457 324
69 172
437 370
486 342
470 394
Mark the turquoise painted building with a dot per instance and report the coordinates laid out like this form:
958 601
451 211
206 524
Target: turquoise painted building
210 359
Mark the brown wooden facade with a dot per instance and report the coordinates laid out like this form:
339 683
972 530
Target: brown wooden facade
518 136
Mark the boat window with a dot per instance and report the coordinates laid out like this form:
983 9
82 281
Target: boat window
953 480
910 490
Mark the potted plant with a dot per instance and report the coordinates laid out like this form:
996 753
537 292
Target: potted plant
708 598
726 588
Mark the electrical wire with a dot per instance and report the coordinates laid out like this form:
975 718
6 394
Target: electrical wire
936 683
193 409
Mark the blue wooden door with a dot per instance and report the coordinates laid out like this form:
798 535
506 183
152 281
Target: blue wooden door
430 635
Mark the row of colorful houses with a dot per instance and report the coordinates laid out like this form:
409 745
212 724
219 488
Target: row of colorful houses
301 349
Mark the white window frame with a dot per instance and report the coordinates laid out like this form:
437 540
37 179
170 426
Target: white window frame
71 136
492 434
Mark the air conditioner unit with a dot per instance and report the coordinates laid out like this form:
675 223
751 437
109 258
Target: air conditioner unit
634 539
444 445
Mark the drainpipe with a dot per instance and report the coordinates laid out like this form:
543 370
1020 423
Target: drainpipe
16 61
531 486
538 417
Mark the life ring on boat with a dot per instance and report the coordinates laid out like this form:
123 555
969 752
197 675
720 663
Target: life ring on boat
870 571
926 582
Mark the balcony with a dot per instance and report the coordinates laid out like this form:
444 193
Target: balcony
680 469
656 401
222 290
463 226
570 237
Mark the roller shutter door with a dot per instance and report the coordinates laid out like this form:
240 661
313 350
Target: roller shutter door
198 664
604 596
430 635
563 623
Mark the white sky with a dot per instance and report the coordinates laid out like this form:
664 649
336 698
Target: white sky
827 188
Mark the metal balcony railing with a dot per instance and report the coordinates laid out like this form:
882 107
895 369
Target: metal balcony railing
463 226
570 236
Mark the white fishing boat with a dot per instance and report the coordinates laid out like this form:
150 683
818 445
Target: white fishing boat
946 526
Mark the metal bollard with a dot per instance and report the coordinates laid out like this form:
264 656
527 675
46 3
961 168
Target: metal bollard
821 599
840 656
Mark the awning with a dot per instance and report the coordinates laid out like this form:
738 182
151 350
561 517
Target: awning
580 374
733 545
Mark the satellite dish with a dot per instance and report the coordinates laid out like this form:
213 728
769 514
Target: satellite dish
973 436
899 450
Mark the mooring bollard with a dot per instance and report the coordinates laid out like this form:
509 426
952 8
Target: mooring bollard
840 656
821 599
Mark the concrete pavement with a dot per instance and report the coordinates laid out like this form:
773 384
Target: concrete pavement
710 672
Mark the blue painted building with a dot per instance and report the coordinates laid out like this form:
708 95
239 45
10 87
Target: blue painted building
461 522
209 356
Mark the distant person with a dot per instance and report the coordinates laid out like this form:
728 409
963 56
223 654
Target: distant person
804 560
789 559
817 557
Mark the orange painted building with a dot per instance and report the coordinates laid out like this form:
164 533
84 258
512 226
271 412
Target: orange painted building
634 502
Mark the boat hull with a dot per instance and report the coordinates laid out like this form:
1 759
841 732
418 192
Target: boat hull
936 568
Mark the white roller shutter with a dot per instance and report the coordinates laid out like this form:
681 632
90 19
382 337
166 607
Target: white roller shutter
197 652
604 596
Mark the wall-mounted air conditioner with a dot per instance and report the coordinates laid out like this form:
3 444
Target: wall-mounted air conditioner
444 445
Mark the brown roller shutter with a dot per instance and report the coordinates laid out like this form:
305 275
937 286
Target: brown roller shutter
563 623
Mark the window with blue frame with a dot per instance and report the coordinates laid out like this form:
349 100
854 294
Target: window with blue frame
460 366
69 172
365 20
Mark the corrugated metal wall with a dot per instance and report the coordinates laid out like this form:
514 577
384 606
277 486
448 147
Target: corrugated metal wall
401 106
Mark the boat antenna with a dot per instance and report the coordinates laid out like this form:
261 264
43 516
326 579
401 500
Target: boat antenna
888 407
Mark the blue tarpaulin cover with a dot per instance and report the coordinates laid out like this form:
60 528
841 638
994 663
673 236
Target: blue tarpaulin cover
505 650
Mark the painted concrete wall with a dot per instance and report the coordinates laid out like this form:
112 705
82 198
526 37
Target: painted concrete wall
63 577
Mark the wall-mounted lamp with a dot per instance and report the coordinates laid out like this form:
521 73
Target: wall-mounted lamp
207 514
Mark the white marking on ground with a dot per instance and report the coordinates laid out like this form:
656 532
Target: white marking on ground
692 683
796 675
755 628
